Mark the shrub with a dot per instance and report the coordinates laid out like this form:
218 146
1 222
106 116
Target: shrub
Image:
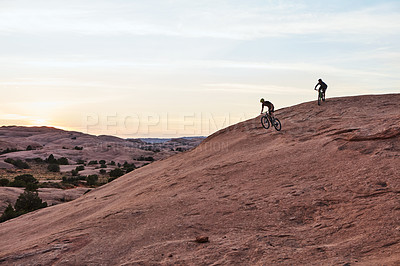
4 182
117 172
102 162
9 213
111 179
51 159
29 201
91 180
144 158
103 171
8 150
103 166
53 168
17 163
80 161
129 169
27 178
38 160
78 148
112 163
31 187
52 185
29 148
80 168
129 165
92 162
63 161
17 183
73 180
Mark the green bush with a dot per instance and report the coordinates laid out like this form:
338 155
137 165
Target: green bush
129 169
17 163
117 172
31 187
103 171
9 213
53 185
73 180
4 182
78 148
8 150
144 158
102 162
112 163
91 180
27 178
92 162
80 168
129 165
53 168
103 166
37 160
80 161
63 161
29 201
111 179
51 159
17 183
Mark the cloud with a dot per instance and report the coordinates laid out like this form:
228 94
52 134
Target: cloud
252 88
216 19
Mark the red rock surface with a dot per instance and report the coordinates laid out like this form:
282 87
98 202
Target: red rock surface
323 191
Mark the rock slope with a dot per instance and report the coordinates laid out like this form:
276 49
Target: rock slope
323 191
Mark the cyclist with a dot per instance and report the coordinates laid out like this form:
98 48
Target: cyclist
269 105
323 87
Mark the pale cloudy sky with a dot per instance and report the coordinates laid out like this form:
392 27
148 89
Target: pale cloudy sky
162 68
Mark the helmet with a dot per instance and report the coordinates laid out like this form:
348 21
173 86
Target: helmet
262 100
320 80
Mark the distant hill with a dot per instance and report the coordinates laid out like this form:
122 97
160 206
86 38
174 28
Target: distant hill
322 191
24 143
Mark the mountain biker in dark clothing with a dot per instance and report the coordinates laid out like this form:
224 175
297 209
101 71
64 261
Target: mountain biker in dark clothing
269 105
323 87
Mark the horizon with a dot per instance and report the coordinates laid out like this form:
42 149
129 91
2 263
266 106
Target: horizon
161 69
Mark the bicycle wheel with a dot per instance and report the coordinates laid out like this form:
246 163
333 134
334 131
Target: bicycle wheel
319 97
265 121
277 124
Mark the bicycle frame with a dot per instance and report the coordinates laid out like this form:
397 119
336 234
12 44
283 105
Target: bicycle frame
273 121
320 95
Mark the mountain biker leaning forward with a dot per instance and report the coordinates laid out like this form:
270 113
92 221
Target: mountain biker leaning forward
269 105
322 87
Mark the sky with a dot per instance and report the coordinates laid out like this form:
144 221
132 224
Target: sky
170 68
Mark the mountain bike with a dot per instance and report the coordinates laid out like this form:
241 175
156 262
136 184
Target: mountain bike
321 96
267 120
